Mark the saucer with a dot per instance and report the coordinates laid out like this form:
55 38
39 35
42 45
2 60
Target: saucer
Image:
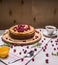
45 33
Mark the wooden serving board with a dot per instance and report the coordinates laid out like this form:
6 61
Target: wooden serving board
6 38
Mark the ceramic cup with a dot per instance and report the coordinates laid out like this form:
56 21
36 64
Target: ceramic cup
50 29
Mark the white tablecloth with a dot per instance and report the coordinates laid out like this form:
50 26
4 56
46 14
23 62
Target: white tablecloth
40 58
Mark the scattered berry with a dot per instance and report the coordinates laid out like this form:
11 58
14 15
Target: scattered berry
35 49
20 53
47 61
57 48
14 50
22 59
51 41
54 48
52 45
27 47
25 51
32 59
43 50
47 54
45 47
44 39
11 46
56 43
46 44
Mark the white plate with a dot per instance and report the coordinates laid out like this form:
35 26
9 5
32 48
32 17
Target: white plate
45 33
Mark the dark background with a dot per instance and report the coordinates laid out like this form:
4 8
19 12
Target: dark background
37 13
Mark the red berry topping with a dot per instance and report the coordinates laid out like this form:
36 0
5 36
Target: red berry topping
33 38
24 40
36 37
14 50
35 49
22 59
6 38
32 59
47 61
47 54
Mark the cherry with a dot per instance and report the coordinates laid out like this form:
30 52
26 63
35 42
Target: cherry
54 48
45 47
36 37
47 54
11 46
25 51
51 41
43 50
22 59
57 48
27 47
35 49
24 40
32 59
47 61
20 53
14 50
52 45
56 43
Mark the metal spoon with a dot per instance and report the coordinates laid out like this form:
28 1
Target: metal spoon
29 54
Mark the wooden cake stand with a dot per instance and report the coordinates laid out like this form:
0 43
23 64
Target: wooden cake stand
6 38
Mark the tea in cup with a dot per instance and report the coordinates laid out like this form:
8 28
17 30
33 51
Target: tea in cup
50 29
